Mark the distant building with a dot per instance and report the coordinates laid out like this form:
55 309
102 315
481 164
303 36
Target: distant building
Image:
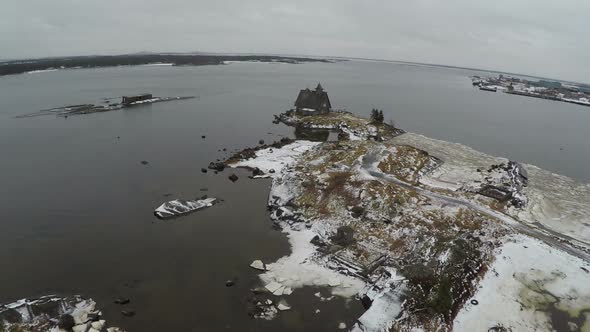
128 100
310 102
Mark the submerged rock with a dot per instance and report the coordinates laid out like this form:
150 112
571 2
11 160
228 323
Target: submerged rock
233 178
128 313
122 300
180 207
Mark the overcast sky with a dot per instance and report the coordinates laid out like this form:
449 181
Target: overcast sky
538 37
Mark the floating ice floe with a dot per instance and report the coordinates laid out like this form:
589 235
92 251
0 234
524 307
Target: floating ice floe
258 265
273 286
180 207
283 305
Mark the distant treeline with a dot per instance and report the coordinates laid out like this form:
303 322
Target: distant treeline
23 66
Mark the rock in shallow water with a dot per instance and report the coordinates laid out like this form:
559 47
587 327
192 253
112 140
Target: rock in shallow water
128 313
122 300
180 207
233 178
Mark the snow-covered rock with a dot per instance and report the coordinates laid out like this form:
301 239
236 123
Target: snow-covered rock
180 207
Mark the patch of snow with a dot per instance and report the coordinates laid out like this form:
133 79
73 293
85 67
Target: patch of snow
333 282
555 201
386 305
157 64
523 269
40 71
277 159
299 270
380 316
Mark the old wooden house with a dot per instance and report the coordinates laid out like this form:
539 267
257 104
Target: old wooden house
128 100
311 102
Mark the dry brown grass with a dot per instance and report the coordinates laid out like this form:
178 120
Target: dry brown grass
404 162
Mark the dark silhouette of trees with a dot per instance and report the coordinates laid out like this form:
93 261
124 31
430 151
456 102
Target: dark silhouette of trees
377 116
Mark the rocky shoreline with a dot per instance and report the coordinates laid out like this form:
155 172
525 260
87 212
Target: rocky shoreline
55 314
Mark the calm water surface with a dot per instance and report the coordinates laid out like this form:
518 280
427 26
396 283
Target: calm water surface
78 204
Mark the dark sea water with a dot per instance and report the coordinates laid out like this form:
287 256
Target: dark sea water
77 204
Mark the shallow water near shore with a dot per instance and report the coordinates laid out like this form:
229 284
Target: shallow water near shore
78 204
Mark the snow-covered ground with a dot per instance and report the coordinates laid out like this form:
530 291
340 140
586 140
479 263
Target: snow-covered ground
276 159
529 286
558 202
555 201
298 269
526 283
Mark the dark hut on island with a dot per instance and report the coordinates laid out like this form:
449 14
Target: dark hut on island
129 100
312 102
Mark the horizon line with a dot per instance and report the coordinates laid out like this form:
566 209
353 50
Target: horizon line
297 55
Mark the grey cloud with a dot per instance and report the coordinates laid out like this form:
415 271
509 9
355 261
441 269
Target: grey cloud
547 38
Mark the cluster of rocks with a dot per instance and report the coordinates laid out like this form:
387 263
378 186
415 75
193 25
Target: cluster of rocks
56 314
260 302
247 153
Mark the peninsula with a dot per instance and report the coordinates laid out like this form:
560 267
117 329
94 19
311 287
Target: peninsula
429 235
